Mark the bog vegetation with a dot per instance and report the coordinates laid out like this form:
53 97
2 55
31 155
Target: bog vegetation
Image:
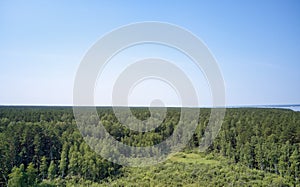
42 146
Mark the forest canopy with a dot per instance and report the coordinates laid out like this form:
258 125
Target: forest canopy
42 146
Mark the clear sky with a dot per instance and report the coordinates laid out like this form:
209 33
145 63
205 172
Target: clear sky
256 44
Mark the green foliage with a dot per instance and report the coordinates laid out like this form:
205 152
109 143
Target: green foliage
17 178
51 170
260 146
191 169
63 161
295 166
43 168
31 173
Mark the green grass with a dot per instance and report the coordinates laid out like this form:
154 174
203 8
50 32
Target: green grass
192 158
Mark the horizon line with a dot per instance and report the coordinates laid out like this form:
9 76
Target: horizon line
170 106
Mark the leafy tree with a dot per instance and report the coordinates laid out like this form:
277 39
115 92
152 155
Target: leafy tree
295 165
63 161
74 160
31 173
260 155
18 177
51 170
284 159
44 168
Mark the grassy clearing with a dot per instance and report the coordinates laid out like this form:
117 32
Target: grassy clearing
193 158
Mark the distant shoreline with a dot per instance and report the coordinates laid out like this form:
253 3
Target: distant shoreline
294 107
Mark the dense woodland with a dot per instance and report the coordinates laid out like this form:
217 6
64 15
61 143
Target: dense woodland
42 146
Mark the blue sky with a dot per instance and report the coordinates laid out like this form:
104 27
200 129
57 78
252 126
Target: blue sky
256 44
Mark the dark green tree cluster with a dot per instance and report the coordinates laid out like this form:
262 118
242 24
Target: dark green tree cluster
19 177
264 139
46 147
